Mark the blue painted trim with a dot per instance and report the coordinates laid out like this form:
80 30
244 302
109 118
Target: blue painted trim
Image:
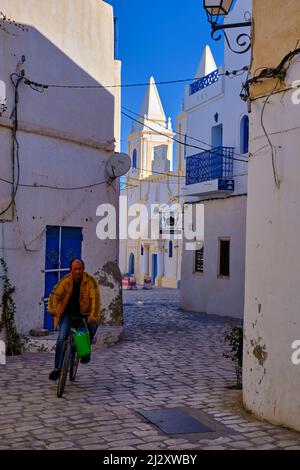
210 165
204 82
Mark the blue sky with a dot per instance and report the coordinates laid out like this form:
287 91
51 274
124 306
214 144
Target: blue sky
163 38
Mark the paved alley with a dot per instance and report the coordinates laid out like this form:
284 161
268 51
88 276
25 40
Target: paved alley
168 359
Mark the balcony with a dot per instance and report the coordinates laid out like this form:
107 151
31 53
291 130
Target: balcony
210 172
204 82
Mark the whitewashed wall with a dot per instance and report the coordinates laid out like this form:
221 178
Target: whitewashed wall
207 292
65 137
272 301
223 218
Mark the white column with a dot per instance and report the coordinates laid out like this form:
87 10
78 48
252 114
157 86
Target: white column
142 266
146 261
170 154
144 166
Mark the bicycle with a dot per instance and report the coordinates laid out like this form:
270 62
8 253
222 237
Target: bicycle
70 360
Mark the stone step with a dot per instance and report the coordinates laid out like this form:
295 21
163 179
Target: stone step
105 336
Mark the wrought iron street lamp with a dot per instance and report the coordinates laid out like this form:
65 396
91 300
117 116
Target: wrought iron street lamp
216 11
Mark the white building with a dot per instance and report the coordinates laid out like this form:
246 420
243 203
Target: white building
64 138
152 181
212 278
271 366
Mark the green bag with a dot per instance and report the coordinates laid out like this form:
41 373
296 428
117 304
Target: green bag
82 342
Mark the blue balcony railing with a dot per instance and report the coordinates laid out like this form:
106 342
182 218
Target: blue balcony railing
213 164
204 82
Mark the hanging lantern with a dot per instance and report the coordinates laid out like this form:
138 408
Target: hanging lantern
217 7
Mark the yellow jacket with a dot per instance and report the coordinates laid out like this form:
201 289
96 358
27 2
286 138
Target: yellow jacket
89 297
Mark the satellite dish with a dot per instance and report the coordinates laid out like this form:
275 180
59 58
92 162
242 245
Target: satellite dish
118 165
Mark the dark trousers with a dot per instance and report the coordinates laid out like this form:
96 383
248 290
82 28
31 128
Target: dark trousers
65 324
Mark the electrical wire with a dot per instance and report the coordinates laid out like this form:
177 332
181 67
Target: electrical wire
158 182
74 188
159 173
179 142
35 85
15 144
227 73
278 72
273 149
269 73
24 185
180 133
235 175
16 151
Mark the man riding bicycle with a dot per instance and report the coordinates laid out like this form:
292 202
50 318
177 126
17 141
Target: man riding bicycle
75 297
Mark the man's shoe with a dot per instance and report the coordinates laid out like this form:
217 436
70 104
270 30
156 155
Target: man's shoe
85 359
54 375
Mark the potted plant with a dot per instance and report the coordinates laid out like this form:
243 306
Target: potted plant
234 337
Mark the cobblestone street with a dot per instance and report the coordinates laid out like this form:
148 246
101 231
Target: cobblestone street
168 359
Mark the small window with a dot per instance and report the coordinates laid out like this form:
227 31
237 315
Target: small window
245 134
199 260
170 249
134 159
224 260
142 250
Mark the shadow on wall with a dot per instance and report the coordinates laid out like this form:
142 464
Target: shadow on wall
63 135
87 113
110 281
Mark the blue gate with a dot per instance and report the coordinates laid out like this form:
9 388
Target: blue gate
131 264
62 245
154 268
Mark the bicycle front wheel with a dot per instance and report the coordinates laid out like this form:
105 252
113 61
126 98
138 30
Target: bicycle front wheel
73 368
64 370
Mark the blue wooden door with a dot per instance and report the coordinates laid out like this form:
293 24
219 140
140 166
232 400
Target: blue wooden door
131 264
217 136
62 245
154 268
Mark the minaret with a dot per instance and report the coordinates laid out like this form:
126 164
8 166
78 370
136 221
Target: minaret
152 108
153 131
207 63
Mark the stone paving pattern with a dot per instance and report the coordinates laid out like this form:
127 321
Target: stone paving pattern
168 358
